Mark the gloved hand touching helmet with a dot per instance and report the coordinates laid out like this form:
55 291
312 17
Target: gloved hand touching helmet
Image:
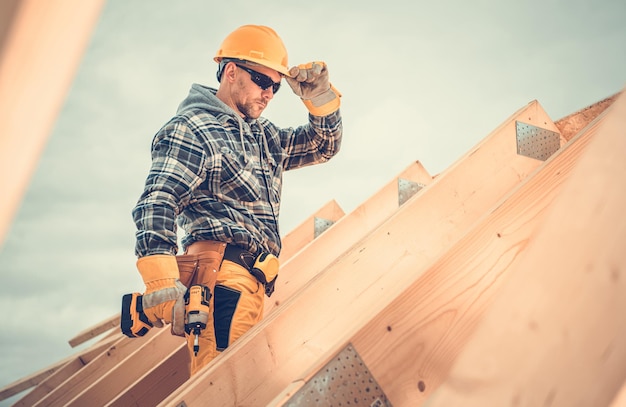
310 82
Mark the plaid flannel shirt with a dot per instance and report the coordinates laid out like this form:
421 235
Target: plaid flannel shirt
221 176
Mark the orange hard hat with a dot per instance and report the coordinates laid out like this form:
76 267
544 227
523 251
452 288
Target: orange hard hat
255 43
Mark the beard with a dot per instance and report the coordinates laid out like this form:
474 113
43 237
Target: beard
252 109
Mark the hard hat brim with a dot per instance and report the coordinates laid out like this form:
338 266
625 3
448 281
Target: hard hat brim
277 67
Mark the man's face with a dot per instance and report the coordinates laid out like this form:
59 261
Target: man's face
249 98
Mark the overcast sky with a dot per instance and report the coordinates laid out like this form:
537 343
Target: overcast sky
421 80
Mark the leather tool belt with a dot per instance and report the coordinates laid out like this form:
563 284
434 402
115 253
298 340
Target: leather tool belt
264 267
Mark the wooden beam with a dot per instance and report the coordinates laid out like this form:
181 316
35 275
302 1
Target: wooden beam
367 277
305 232
380 206
106 364
296 239
117 350
556 334
167 366
46 34
571 124
42 377
109 384
8 9
620 398
410 346
96 330
33 379
157 383
293 242
345 233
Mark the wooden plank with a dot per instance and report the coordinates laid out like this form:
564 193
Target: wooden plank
106 360
96 330
430 322
41 34
8 9
359 284
137 382
43 377
104 326
296 239
31 380
48 384
157 383
571 124
620 398
114 380
380 206
556 333
345 233
304 233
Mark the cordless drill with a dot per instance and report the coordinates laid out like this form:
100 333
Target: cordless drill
197 312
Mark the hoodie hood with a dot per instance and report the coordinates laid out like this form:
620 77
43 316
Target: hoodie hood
203 97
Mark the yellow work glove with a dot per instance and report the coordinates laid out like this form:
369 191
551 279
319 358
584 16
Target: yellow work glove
163 300
310 82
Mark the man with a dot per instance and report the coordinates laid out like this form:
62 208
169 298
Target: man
217 169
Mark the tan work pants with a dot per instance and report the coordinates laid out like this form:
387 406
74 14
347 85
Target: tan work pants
236 302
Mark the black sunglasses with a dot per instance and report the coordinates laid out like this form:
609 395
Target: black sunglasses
262 81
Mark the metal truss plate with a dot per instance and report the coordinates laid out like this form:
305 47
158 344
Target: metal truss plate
320 225
535 142
344 381
406 189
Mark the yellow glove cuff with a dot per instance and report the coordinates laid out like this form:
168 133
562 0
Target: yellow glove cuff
158 267
324 104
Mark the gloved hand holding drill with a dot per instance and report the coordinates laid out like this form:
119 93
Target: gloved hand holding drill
310 82
162 302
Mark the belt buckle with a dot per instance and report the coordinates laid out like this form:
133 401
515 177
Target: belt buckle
247 259
240 256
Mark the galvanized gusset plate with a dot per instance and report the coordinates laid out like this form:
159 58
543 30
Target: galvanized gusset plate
535 142
344 381
320 225
406 189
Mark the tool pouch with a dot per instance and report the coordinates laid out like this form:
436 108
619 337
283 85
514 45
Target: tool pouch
265 270
200 263
199 266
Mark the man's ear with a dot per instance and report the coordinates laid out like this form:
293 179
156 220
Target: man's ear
229 72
